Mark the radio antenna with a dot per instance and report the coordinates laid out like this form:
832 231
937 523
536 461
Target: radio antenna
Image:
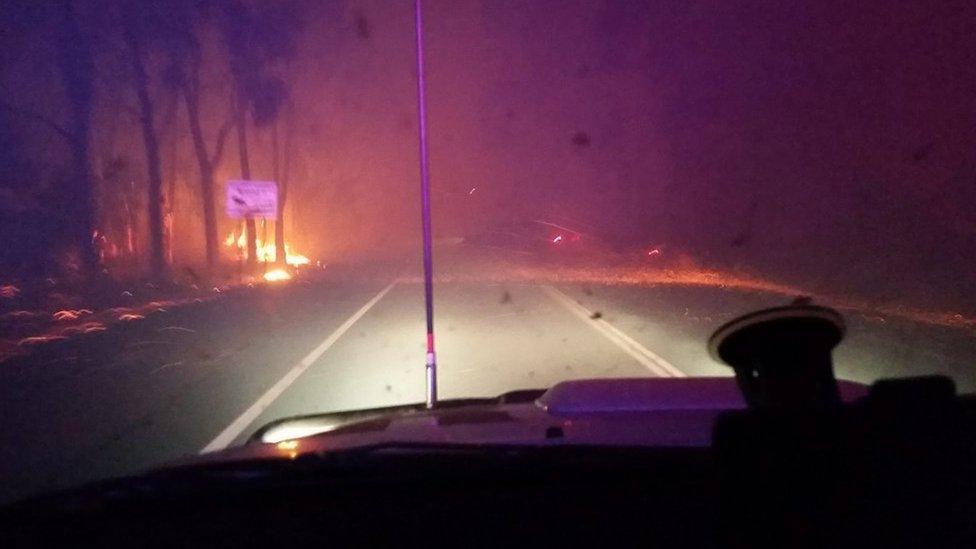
431 363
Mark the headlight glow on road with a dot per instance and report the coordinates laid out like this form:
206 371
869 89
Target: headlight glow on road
289 431
289 447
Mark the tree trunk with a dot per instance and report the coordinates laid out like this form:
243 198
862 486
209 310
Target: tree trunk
157 257
206 174
252 249
281 257
77 69
169 202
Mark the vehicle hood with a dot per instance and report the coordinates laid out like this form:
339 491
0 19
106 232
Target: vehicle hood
637 412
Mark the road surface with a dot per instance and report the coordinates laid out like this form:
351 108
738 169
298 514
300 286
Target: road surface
208 375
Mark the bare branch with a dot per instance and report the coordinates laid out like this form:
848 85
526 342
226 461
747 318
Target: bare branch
221 140
37 117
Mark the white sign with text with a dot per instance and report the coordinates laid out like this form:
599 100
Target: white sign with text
252 199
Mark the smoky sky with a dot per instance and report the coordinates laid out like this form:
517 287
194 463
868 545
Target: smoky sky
810 139
820 142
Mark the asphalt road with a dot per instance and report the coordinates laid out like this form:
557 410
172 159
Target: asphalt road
208 375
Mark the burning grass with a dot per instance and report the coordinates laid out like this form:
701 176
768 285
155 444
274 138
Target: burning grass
266 251
49 313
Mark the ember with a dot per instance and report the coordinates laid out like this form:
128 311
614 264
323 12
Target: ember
277 275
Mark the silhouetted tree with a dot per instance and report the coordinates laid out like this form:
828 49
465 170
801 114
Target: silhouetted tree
137 21
254 40
77 69
183 74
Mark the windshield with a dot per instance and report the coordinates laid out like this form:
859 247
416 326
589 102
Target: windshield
210 212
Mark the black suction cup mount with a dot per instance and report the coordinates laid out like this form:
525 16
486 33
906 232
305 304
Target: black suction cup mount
782 356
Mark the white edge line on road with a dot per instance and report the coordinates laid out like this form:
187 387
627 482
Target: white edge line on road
650 360
244 420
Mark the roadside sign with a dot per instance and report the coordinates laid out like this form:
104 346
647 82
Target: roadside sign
252 199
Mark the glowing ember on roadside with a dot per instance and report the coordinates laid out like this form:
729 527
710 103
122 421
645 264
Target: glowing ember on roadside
71 314
692 277
265 251
277 275
45 327
65 315
86 328
21 314
9 291
38 340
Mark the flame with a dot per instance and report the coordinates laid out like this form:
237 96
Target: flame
265 251
277 275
